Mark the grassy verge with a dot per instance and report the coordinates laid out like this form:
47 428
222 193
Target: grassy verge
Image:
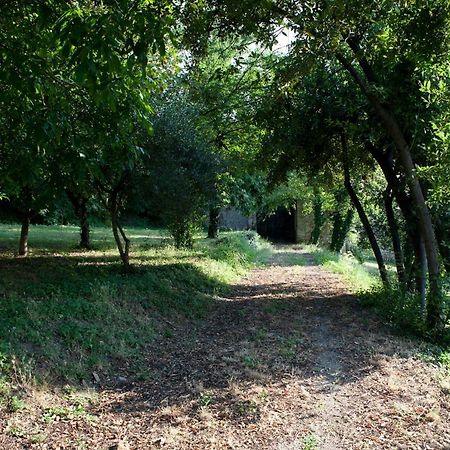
359 276
65 313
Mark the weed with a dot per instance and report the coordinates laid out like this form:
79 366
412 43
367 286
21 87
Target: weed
275 306
290 346
251 361
260 334
16 404
205 399
168 333
247 407
57 413
310 442
13 428
37 438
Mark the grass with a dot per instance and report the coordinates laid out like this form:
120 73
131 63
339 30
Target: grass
359 276
66 313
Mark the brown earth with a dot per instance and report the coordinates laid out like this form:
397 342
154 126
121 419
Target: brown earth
288 360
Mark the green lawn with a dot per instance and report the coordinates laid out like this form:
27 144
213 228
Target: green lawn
65 313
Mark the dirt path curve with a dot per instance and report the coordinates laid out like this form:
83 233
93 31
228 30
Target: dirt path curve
288 360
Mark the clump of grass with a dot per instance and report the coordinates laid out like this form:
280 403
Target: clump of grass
239 250
205 399
310 442
400 309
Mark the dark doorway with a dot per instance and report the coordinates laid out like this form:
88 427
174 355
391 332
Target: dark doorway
279 227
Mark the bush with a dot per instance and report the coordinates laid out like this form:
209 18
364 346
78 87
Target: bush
240 249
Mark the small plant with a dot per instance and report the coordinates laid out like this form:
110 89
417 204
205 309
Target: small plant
16 404
205 399
57 413
310 442
15 429
37 438
260 335
251 361
247 407
289 348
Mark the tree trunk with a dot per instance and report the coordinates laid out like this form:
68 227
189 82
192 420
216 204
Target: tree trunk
393 130
23 242
411 253
85 232
213 227
362 216
396 243
79 204
122 241
421 274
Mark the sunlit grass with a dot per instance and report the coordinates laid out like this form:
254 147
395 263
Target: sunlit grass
358 276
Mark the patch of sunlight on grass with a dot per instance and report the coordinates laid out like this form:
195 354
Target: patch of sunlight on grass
358 276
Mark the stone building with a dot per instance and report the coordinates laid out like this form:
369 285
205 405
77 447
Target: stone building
291 225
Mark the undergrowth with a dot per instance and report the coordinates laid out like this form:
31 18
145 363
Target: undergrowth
65 314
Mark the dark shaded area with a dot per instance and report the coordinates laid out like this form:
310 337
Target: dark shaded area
279 226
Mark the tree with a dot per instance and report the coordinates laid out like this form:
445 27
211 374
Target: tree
386 49
180 169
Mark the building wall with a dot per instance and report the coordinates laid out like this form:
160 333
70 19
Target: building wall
304 225
233 219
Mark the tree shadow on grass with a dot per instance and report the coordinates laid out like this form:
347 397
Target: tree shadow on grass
70 316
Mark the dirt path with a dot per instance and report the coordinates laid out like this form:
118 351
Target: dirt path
288 360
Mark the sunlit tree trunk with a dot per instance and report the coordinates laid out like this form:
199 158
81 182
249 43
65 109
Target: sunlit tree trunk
122 241
24 231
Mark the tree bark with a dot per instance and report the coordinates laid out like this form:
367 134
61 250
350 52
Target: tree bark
122 241
395 236
79 204
421 274
24 231
393 130
85 232
363 216
213 226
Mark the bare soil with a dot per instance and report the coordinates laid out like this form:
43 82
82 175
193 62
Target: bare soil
288 360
